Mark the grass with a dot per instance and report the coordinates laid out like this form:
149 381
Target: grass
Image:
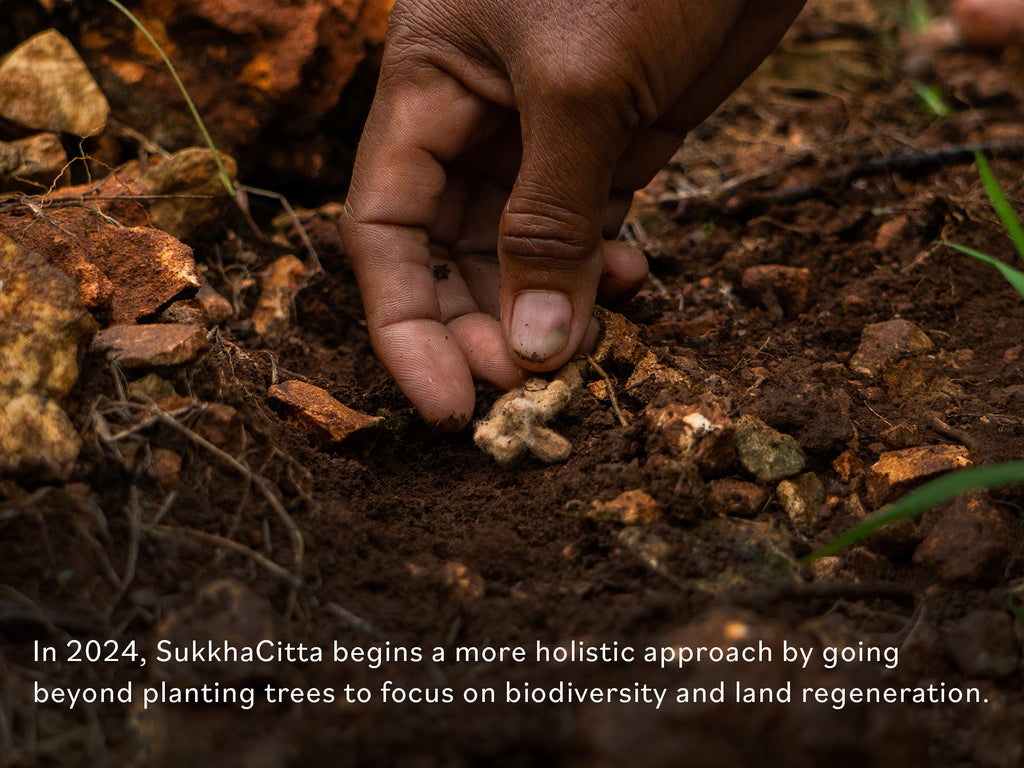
225 179
952 484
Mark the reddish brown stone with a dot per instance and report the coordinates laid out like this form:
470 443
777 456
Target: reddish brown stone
142 346
254 68
882 343
781 289
896 471
635 507
967 540
165 468
220 424
736 497
273 313
133 271
314 411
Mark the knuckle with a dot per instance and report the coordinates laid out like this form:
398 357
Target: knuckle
543 231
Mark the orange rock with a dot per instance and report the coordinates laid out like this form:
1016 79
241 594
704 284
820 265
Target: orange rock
967 540
165 468
314 411
634 507
257 64
882 343
142 346
133 271
466 585
896 471
273 314
779 288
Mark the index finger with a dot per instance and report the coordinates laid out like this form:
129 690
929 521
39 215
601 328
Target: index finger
419 121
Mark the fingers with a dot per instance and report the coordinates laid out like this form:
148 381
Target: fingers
756 32
393 203
550 246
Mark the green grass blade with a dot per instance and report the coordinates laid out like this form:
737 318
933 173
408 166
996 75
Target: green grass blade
932 99
1015 277
927 496
221 170
1003 208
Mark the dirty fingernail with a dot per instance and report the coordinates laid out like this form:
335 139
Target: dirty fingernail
540 324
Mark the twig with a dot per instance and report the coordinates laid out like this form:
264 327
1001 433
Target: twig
298 545
611 391
820 591
314 267
174 533
917 162
353 621
939 427
19 608
134 514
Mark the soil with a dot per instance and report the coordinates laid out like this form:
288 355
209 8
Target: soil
420 541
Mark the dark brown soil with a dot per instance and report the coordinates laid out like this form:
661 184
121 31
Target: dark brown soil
422 542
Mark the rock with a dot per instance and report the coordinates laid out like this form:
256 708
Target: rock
896 471
918 380
132 271
702 434
803 498
848 466
149 346
635 507
273 314
165 468
315 412
466 585
993 24
178 196
223 612
36 158
983 644
736 497
257 65
966 540
826 568
892 234
184 312
882 343
855 305
42 325
220 424
45 86
779 288
620 343
37 439
191 182
217 308
515 425
767 454
151 388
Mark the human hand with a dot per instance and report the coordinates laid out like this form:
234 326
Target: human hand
499 159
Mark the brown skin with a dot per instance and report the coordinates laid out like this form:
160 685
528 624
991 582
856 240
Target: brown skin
994 24
504 143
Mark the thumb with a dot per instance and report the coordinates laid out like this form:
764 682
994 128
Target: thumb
550 246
